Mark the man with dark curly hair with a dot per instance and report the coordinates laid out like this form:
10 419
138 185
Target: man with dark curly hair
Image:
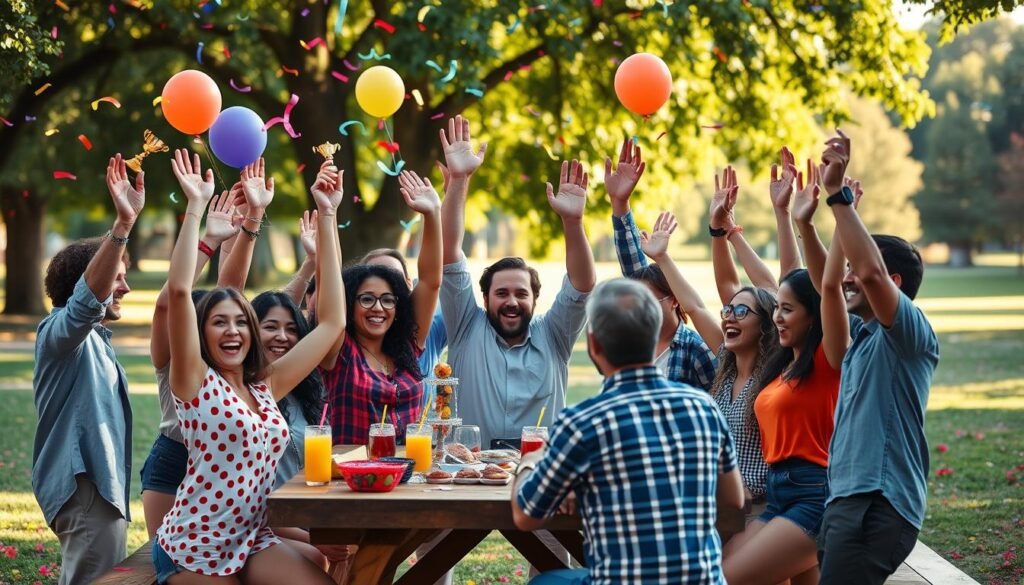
81 460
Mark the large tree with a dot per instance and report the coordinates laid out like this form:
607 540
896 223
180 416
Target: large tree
536 78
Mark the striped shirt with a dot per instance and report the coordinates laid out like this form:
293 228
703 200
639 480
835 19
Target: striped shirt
748 439
690 361
643 459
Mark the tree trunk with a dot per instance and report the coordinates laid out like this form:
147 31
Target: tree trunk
961 255
23 214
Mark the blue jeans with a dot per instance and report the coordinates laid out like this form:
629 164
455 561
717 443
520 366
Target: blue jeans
165 468
165 567
562 577
797 491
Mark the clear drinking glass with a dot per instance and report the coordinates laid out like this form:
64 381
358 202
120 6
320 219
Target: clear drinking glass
418 446
318 455
468 435
533 439
381 441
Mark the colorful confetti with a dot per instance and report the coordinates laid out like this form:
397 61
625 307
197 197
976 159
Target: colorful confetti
416 95
61 5
388 171
343 128
300 168
30 118
286 119
6 122
659 136
384 25
312 43
339 76
350 66
339 20
514 26
43 88
173 199
437 116
715 126
53 33
433 65
547 149
423 13
453 68
64 175
374 55
342 226
227 52
51 132
85 141
407 225
391 147
290 71
509 74
235 86
473 91
158 99
110 100
533 9
718 53
305 12
533 112
199 53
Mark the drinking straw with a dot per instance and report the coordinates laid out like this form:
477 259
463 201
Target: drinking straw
384 415
323 415
541 417
423 416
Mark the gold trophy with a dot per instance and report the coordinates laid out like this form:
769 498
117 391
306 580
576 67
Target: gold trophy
327 150
152 144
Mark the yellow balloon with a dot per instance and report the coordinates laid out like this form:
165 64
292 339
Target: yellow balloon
380 91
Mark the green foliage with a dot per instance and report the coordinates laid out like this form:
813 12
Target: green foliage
963 13
24 46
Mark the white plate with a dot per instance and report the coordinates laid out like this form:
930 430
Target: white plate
467 480
454 468
444 481
505 481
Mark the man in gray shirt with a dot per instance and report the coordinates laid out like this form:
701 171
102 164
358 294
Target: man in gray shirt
81 460
509 363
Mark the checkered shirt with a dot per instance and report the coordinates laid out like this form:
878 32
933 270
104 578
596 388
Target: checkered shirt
357 394
643 458
748 441
690 361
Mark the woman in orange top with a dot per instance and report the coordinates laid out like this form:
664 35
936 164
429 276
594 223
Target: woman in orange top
795 416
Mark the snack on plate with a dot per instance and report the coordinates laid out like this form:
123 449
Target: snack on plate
438 474
468 474
498 456
494 472
460 453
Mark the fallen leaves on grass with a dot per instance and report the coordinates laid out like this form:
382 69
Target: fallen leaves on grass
943 471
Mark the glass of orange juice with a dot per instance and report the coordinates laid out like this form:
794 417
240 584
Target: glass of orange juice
318 455
418 446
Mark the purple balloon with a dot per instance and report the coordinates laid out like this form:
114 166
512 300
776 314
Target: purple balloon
237 137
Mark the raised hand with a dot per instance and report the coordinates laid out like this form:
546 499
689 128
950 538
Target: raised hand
724 199
458 153
128 200
805 202
854 186
197 187
327 189
419 194
621 181
307 232
221 222
781 187
445 176
259 190
655 244
571 199
834 161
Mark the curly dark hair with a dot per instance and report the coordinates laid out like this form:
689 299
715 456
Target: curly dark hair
764 372
310 391
68 265
254 366
799 281
401 336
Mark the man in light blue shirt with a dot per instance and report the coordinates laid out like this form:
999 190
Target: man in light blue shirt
81 460
878 458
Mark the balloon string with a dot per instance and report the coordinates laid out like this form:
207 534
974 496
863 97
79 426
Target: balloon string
213 163
391 140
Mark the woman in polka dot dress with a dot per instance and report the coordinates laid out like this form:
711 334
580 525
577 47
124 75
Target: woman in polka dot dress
225 398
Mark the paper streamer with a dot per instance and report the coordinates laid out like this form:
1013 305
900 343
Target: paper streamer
51 132
340 19
286 119
312 43
342 226
374 55
407 225
85 141
305 12
64 175
350 66
199 53
345 125
387 170
453 68
437 116
416 95
30 118
290 71
433 65
61 5
227 52
339 76
391 147
173 200
717 126
384 25
43 88
109 99
477 92
235 87
659 136
422 13
514 26
6 122
158 99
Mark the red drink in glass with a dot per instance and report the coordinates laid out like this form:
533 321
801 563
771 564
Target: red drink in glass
382 441
531 444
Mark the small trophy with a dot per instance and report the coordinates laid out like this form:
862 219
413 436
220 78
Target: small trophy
327 150
152 144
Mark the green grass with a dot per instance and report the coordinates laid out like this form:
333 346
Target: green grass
976 409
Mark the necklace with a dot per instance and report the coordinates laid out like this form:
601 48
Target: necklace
386 370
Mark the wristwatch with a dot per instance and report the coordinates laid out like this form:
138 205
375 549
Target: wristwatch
717 232
843 197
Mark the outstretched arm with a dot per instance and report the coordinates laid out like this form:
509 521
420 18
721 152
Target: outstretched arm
294 366
187 368
865 259
297 286
328 187
835 323
462 163
804 205
257 192
620 184
727 279
421 197
781 191
128 202
219 227
569 203
656 246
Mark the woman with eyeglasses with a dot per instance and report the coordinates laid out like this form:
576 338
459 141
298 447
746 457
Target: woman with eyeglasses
376 363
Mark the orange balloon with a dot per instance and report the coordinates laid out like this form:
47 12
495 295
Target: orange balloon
191 101
643 83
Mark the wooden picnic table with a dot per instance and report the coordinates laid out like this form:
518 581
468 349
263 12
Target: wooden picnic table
389 527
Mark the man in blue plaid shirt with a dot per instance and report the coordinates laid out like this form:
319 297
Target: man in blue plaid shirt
681 353
648 459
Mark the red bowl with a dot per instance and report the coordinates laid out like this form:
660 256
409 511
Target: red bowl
372 476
